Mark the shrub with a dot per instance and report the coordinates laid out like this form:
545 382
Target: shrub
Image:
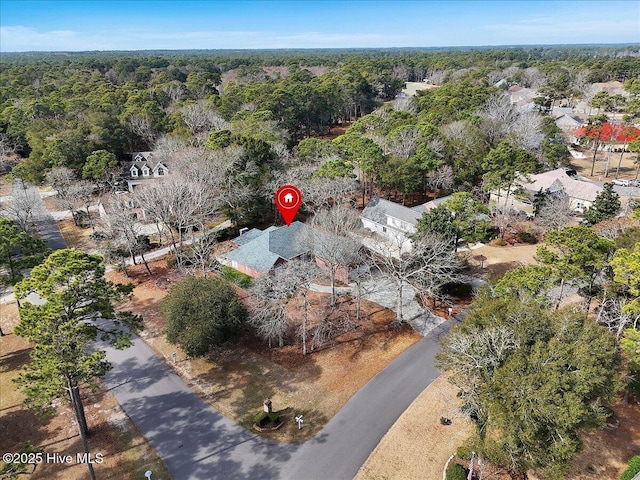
464 452
235 276
456 472
633 468
202 313
172 261
527 237
263 418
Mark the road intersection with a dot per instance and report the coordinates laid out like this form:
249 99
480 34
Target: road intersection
196 442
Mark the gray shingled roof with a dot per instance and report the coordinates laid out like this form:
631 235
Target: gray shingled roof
282 241
378 209
431 204
247 236
265 248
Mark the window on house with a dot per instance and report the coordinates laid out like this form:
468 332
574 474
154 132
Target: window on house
161 171
384 229
134 172
145 172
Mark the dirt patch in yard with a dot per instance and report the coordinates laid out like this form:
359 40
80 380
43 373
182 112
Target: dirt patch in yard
127 454
499 260
628 167
606 452
235 380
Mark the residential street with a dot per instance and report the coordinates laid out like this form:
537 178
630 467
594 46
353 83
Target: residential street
342 447
198 443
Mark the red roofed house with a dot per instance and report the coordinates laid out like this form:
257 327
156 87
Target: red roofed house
615 135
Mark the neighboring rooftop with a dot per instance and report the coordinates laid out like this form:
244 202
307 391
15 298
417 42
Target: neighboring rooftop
378 209
553 180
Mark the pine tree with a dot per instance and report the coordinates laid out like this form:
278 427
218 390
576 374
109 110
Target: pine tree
606 205
75 310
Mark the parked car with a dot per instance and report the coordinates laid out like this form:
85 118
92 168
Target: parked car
621 183
634 183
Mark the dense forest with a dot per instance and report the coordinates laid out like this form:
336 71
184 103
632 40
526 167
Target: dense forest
58 108
233 126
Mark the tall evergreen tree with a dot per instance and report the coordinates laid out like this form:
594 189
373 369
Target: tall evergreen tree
606 205
75 310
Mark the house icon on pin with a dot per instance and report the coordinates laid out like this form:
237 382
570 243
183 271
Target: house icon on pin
288 198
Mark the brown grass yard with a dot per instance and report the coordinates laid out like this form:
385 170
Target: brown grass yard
236 380
76 237
126 452
627 167
6 185
418 445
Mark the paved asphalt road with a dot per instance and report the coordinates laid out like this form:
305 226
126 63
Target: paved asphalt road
45 223
198 443
342 447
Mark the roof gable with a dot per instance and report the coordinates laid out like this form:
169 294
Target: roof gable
378 210
557 179
260 250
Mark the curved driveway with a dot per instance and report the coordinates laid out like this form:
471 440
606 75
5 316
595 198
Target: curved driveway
198 443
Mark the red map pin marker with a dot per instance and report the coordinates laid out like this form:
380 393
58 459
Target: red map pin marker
288 200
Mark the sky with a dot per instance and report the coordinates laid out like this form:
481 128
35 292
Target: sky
82 25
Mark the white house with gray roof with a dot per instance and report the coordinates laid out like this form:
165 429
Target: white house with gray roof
580 191
142 168
391 220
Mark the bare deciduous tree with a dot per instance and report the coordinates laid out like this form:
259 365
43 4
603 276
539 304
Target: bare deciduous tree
405 105
270 317
428 266
200 117
403 142
140 125
125 228
63 180
330 241
533 78
474 356
613 315
25 199
555 213
441 179
198 254
300 274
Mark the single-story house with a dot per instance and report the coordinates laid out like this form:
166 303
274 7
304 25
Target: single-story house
581 193
262 251
521 97
259 252
567 123
142 168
